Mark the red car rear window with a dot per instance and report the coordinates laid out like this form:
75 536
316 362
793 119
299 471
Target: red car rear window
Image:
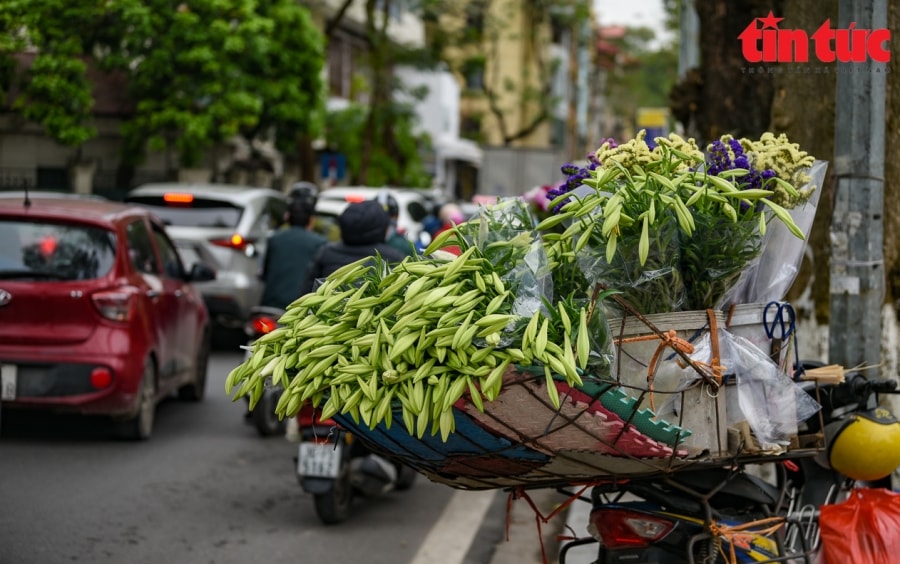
32 250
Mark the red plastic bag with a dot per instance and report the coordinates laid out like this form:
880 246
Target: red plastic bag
863 529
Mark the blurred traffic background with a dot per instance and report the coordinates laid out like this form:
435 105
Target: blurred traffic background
461 98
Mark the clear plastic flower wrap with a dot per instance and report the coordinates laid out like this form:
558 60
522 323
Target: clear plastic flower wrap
770 276
505 233
656 285
767 398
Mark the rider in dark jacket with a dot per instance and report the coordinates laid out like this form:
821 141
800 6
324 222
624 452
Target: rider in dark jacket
364 227
290 251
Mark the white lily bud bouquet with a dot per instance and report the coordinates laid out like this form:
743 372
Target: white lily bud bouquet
674 228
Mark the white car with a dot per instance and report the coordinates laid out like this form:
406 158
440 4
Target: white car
413 207
226 227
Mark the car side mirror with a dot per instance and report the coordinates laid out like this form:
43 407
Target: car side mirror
201 273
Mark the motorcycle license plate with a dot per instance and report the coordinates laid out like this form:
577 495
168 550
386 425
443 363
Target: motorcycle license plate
8 381
319 460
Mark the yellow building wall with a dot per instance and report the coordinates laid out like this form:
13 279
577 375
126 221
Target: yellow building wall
511 65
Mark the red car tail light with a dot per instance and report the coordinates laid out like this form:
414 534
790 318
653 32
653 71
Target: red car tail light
178 198
101 378
47 245
236 242
618 527
115 305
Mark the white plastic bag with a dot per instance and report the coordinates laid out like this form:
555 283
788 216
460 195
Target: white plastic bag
765 397
769 400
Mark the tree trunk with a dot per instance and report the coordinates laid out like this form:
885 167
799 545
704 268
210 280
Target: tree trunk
732 100
892 165
306 159
379 124
803 108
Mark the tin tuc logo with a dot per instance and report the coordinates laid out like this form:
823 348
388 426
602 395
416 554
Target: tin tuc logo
769 44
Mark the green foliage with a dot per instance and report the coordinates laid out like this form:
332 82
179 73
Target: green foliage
646 77
67 36
289 74
58 96
197 72
223 67
345 132
53 90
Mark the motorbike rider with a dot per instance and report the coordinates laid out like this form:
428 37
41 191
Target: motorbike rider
364 229
395 237
290 251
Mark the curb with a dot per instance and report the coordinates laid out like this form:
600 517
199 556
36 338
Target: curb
523 545
576 524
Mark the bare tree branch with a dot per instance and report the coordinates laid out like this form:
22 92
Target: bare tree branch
543 98
530 128
335 20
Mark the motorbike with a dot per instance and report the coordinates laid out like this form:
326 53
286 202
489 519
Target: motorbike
335 467
330 464
732 514
263 320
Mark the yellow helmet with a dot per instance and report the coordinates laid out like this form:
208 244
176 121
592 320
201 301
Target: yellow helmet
864 446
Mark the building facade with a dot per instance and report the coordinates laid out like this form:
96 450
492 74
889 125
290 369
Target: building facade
516 96
525 73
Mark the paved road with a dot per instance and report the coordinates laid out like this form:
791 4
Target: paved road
205 489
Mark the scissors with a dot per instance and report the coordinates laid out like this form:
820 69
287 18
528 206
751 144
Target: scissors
780 327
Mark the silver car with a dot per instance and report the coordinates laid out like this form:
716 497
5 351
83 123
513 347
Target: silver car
412 203
225 227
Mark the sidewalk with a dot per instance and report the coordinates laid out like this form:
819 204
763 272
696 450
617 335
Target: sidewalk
524 544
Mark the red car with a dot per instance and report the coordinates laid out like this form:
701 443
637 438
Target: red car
97 313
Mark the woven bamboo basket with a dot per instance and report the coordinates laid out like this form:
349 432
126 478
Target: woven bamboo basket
604 430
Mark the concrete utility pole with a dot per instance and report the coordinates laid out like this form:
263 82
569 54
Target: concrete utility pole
857 227
689 38
688 50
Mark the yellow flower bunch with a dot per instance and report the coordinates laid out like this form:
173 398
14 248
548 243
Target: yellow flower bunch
635 155
788 161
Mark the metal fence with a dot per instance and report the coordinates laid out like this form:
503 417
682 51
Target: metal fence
105 181
17 178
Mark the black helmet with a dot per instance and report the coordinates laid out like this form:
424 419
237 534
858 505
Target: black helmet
303 195
388 202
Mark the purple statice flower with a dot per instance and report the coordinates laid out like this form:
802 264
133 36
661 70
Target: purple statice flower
719 160
610 140
575 176
556 192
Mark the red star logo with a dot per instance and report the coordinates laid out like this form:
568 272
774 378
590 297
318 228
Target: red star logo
770 21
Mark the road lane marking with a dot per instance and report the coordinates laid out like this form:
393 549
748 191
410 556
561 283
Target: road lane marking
452 534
